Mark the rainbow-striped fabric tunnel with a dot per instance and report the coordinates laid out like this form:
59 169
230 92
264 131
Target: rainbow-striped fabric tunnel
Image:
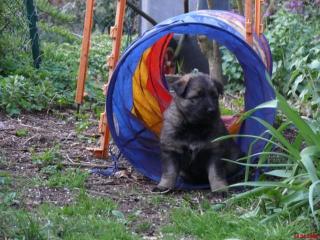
138 93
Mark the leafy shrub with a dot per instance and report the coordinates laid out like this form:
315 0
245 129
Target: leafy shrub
295 48
53 85
232 71
16 93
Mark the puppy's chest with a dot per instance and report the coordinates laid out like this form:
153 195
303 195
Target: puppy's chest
193 135
198 146
195 152
194 148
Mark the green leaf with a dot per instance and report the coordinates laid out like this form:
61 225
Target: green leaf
307 156
119 215
294 197
280 173
296 83
2 180
271 184
314 191
315 64
252 213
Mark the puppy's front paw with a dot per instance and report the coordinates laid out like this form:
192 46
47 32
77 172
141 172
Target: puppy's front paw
161 189
218 186
219 189
220 195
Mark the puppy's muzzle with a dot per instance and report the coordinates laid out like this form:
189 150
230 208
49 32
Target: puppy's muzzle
211 110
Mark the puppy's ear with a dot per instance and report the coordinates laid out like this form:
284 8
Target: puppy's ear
180 86
219 86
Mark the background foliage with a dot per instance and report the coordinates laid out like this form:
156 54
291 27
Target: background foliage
53 85
295 45
288 190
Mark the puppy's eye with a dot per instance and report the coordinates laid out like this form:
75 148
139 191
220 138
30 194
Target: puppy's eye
197 96
213 94
194 100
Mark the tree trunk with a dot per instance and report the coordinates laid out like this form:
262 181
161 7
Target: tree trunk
210 49
240 7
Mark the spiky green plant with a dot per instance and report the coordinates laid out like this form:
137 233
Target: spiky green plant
291 187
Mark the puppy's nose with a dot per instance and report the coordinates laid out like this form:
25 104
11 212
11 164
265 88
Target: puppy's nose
210 110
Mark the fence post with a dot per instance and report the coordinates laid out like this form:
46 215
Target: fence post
34 36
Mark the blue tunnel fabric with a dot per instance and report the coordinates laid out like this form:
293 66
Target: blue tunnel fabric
139 144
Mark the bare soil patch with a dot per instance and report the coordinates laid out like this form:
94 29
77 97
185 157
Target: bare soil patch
30 134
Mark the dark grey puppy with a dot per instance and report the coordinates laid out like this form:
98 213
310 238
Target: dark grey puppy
191 122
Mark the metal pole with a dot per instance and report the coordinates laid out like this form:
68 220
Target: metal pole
34 35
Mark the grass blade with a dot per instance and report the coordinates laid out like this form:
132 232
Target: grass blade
270 184
307 156
245 194
250 136
314 191
309 135
280 173
279 137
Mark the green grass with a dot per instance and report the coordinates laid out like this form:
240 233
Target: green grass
142 227
22 132
227 225
19 224
83 123
159 199
50 163
70 178
87 218
50 156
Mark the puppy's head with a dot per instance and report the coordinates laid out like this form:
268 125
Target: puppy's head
197 96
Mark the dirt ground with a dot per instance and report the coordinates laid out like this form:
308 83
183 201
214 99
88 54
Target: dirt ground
128 188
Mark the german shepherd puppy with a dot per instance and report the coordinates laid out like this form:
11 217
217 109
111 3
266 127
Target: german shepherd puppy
191 123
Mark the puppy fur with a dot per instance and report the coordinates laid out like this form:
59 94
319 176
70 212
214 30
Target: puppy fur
191 122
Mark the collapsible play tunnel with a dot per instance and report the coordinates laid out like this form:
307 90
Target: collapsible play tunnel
138 92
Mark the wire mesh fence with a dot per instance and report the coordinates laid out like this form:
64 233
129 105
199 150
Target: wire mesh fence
14 33
59 21
59 26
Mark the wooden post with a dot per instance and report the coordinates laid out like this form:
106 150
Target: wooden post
83 67
258 22
116 36
34 36
248 23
